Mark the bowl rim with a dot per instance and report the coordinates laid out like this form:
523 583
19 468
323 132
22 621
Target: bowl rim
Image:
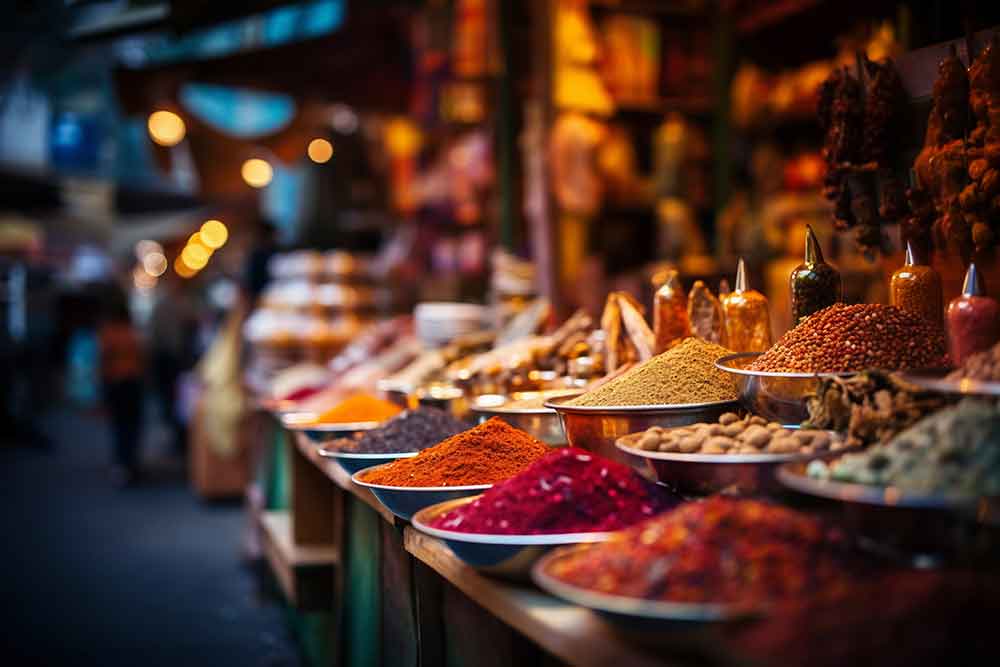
505 409
331 427
558 405
328 453
680 457
421 521
356 478
722 364
790 475
631 606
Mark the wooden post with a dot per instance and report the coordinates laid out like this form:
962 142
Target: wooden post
313 517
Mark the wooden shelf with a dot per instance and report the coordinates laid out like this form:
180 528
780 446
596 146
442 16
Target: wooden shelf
304 572
571 633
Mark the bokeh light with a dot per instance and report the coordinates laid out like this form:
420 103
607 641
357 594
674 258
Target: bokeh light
195 256
320 151
166 128
213 234
182 269
154 263
256 172
142 279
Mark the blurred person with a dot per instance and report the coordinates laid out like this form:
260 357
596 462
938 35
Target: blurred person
121 378
172 332
257 272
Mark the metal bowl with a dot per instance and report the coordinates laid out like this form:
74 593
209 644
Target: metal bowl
705 474
352 462
405 501
543 423
920 528
935 380
305 422
635 615
780 397
597 428
508 556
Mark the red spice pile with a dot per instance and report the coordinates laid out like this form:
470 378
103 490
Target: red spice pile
720 550
568 491
486 454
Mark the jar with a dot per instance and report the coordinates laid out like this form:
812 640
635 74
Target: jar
746 315
705 314
670 316
814 284
973 319
916 288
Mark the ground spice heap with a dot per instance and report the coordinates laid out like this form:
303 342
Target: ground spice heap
845 338
567 491
410 431
359 408
719 550
486 454
686 373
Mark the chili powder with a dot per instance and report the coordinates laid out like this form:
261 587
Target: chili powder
569 490
485 454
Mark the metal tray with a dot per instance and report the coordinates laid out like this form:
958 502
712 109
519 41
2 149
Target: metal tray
405 501
509 556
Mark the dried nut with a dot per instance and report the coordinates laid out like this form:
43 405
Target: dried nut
712 448
668 446
716 429
746 449
681 431
649 441
804 437
733 429
756 436
773 426
821 440
728 418
720 443
688 445
658 430
757 420
784 445
781 433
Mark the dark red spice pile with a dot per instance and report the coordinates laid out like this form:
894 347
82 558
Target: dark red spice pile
567 491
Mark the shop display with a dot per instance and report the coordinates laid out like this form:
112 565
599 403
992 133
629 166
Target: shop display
484 454
983 366
814 284
748 322
683 374
671 321
973 319
733 434
568 491
955 451
870 407
845 338
741 552
357 409
705 314
410 431
916 288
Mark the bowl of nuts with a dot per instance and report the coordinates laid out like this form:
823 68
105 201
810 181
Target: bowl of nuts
733 454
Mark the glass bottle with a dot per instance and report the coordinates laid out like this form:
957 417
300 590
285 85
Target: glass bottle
670 316
916 288
705 314
973 319
814 283
748 322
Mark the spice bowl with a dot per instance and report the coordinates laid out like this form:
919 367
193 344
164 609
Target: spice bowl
507 556
352 462
596 429
705 474
780 397
405 501
541 422
317 433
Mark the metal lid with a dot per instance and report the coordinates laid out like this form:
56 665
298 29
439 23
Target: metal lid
814 253
741 277
908 260
973 285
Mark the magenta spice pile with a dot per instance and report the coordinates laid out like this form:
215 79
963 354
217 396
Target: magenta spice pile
567 491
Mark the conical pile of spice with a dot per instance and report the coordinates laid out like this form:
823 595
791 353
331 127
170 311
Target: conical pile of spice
686 373
486 454
568 491
410 431
359 408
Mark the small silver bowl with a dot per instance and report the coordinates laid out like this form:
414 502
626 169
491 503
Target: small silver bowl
633 615
705 474
921 529
352 462
508 556
780 397
542 423
305 423
597 428
405 501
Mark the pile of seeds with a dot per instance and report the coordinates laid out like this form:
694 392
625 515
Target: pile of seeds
410 431
685 373
733 435
845 338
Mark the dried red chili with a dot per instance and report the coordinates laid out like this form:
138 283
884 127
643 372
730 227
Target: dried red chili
568 491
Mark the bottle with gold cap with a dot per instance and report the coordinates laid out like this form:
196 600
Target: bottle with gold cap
670 315
973 319
748 321
916 288
705 314
814 283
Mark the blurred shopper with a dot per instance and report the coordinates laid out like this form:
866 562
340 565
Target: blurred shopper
121 376
172 333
